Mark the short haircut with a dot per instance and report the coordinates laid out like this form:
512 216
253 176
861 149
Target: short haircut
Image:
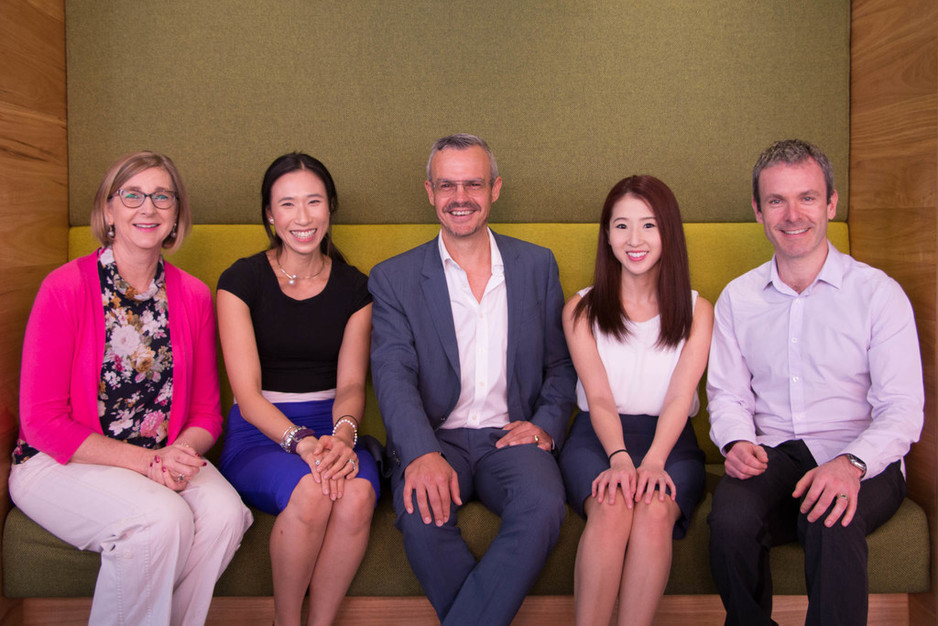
294 162
602 305
791 152
463 141
123 170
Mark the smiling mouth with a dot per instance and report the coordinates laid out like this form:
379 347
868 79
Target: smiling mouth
303 235
636 256
795 231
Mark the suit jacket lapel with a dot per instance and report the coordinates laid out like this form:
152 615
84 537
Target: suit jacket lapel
514 290
436 294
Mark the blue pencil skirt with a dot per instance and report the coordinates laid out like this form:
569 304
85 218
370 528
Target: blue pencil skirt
262 472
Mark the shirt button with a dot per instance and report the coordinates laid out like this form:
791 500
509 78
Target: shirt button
794 379
794 340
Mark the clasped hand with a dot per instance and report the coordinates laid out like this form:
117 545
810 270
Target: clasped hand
175 465
331 461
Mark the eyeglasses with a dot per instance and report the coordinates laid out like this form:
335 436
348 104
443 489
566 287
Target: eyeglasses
133 199
449 187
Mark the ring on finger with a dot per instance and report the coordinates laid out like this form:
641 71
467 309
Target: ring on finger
180 478
537 439
842 495
318 462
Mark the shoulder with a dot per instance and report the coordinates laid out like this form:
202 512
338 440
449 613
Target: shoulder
73 274
245 266
872 284
348 274
186 285
522 248
407 261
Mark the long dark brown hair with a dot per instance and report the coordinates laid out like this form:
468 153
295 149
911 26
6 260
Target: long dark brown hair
602 305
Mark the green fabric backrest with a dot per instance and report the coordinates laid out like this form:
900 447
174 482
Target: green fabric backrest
572 95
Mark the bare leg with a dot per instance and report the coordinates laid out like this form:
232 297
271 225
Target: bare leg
295 544
647 561
342 551
599 560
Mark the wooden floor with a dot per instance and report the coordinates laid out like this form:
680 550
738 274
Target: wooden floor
885 610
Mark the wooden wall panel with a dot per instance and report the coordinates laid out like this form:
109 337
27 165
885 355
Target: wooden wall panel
894 197
33 189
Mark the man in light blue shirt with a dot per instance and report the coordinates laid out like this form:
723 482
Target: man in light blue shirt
815 390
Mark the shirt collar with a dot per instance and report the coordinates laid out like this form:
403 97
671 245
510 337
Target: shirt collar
832 272
498 266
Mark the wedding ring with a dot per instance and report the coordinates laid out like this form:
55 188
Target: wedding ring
537 439
317 462
179 478
843 495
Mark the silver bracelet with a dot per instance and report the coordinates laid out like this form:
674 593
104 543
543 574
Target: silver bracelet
350 423
286 440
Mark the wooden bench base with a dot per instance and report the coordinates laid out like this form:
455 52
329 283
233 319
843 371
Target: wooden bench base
885 610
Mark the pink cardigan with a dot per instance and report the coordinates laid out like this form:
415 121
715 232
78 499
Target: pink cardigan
63 351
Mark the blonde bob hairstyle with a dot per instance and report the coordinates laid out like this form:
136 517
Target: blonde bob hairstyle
123 170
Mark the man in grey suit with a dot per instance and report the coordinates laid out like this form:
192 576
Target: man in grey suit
476 387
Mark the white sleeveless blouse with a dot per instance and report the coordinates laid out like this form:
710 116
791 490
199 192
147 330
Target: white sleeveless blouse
639 371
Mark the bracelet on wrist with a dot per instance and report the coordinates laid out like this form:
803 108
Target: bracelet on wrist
352 425
351 417
616 452
299 435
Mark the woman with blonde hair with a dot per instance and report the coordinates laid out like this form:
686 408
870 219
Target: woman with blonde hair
119 401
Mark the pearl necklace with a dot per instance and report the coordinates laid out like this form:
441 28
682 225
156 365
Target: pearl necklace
292 278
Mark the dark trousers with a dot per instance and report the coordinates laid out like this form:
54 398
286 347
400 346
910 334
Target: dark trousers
750 516
522 485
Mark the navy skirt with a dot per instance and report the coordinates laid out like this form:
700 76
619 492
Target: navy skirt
583 459
262 472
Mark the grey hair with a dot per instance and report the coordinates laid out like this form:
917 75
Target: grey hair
463 141
792 152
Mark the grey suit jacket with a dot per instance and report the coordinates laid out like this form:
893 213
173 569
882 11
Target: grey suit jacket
414 354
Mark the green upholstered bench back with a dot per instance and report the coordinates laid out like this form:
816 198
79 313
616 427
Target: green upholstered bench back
718 253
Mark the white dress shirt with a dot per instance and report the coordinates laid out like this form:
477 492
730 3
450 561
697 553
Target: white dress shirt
482 338
837 366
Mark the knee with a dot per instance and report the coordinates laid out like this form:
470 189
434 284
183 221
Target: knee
308 504
225 516
655 520
168 522
356 507
607 518
728 525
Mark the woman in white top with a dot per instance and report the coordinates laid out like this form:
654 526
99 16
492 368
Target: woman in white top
639 338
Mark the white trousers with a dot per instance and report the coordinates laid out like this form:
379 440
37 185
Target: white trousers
161 551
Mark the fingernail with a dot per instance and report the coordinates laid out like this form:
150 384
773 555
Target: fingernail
164 469
157 459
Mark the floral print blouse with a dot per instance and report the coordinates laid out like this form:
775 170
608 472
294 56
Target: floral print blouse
136 388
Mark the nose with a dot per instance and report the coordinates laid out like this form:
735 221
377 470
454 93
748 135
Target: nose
461 192
635 236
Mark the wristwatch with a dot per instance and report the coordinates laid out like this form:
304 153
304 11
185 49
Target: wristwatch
858 463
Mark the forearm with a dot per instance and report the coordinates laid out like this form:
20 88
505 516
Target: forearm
197 438
608 428
263 415
671 423
98 449
349 404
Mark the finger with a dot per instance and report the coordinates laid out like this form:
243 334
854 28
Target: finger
335 485
673 488
454 490
423 505
761 455
439 503
851 509
802 485
840 505
513 425
408 495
